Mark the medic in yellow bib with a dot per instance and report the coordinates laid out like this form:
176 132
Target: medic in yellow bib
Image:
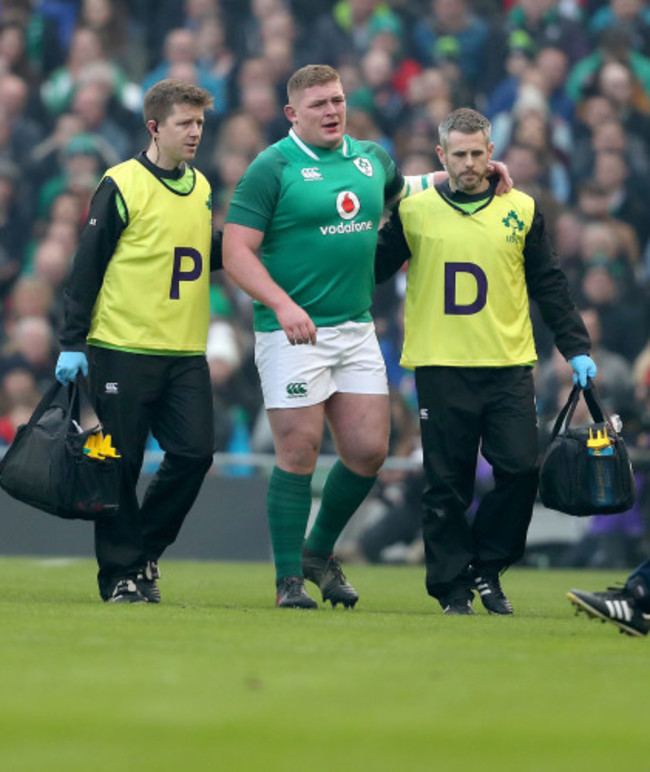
137 302
475 259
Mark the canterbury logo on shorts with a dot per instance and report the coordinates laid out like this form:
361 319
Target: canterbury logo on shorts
297 389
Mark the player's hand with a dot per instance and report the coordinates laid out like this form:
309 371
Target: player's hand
584 368
69 365
505 183
297 325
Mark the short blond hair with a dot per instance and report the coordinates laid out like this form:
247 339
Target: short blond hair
311 75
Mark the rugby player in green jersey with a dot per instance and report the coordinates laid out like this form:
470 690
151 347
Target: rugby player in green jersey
311 206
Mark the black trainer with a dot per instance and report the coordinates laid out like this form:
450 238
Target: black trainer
615 605
126 591
292 594
490 591
326 572
458 606
146 581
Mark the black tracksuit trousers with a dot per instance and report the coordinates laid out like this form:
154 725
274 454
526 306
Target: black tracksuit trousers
463 410
170 396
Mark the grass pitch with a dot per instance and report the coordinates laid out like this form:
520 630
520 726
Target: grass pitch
216 678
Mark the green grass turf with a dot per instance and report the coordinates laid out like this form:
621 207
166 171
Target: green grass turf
216 678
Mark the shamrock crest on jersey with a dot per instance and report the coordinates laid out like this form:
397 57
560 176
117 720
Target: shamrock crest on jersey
364 166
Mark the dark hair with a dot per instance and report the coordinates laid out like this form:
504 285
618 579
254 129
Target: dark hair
466 121
311 75
160 99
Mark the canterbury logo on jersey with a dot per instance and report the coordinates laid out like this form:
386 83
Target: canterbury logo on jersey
311 174
297 389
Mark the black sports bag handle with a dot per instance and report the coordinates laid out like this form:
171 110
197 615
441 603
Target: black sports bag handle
78 386
594 404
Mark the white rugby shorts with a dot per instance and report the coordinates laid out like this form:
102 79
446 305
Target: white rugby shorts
346 358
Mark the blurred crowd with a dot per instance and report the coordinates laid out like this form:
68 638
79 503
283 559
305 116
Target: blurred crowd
566 84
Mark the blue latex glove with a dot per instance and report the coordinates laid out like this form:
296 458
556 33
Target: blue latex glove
68 366
583 367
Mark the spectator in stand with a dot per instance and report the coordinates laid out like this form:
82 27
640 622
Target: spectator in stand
545 23
31 297
85 49
51 263
279 56
110 21
248 42
593 206
213 52
629 100
48 47
25 131
235 385
260 102
613 46
519 56
15 225
632 16
623 322
347 31
181 48
609 135
546 69
19 396
591 110
239 133
566 240
615 385
530 123
32 339
91 104
429 94
626 192
64 233
553 63
14 59
83 161
600 246
378 96
452 22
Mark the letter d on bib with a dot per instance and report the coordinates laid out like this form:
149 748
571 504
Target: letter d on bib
179 275
464 309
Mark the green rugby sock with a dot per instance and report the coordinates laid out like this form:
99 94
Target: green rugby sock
288 502
343 493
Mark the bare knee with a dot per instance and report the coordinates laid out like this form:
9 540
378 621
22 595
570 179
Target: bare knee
365 461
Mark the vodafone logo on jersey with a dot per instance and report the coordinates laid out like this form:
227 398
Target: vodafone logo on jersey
347 205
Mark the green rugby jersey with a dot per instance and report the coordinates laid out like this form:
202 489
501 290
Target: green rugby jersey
320 211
